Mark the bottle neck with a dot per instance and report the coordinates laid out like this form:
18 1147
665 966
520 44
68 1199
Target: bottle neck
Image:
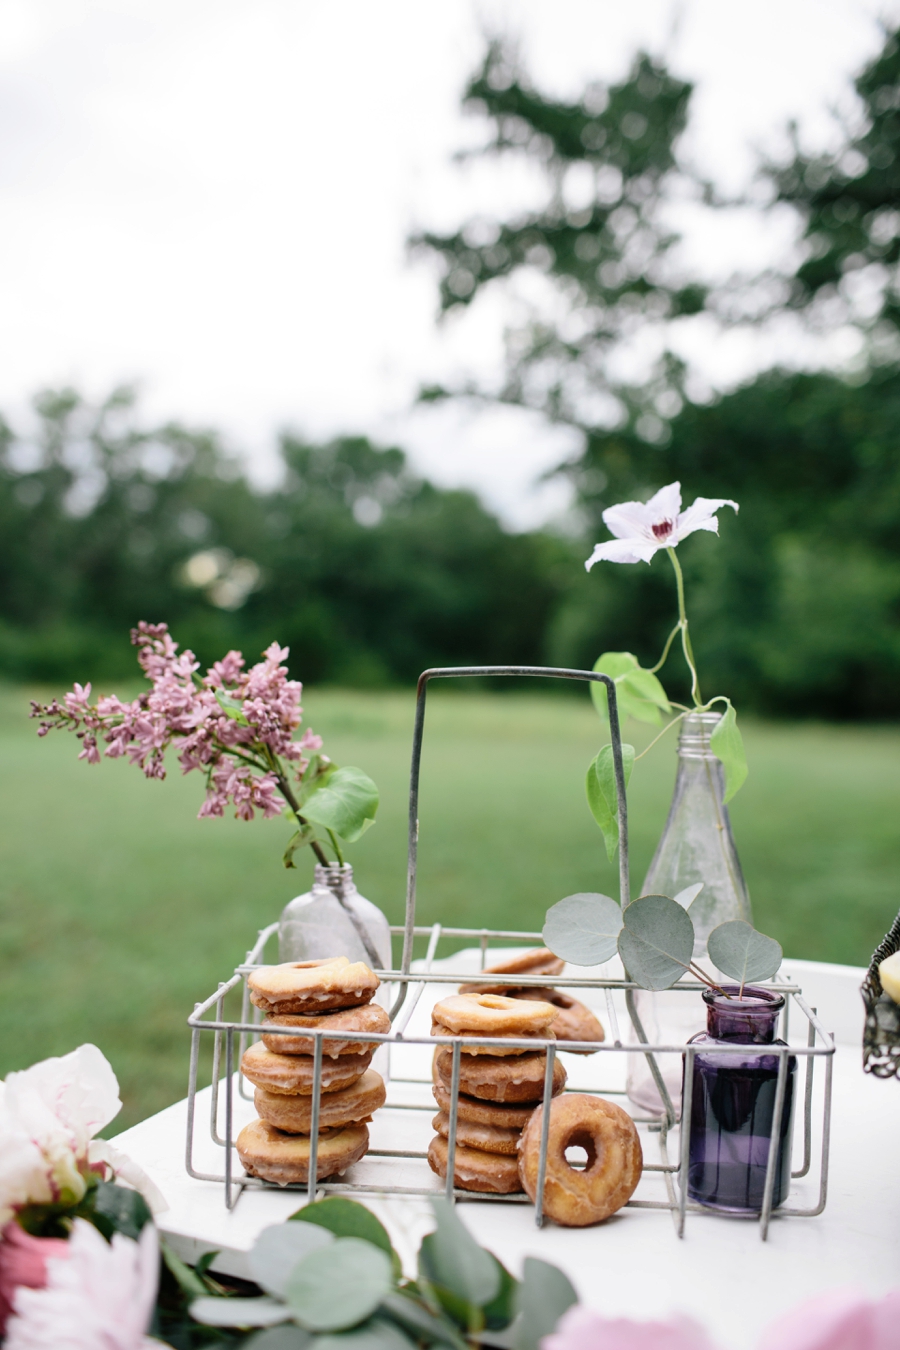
748 1019
693 739
335 877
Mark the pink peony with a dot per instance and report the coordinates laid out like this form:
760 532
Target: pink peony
100 1297
23 1261
582 1329
840 1319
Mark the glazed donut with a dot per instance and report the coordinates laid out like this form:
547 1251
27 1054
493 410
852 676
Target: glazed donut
370 1017
614 1162
574 1021
492 1015
294 1073
488 1138
538 961
312 986
517 1079
483 1113
283 1158
475 1170
292 1113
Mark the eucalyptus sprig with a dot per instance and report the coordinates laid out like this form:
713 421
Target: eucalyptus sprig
654 936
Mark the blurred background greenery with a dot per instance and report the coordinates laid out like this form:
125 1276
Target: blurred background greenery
118 909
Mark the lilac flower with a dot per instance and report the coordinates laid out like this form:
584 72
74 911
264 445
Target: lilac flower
642 529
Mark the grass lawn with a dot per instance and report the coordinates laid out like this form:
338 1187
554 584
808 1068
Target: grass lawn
119 909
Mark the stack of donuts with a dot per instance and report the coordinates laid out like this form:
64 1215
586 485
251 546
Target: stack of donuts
498 1087
303 997
574 1022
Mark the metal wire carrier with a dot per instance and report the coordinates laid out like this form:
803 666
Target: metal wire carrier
409 984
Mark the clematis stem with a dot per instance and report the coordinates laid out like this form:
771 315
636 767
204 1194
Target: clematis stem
669 640
685 635
667 727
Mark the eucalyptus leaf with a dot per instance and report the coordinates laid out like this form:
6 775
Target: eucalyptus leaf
376 1334
339 1285
600 787
279 1249
727 745
541 1299
126 1210
346 803
239 1312
742 954
639 693
687 897
499 1312
189 1282
285 1337
346 1218
425 1326
450 1257
583 928
656 942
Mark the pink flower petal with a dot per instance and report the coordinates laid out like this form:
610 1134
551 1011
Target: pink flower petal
838 1319
582 1329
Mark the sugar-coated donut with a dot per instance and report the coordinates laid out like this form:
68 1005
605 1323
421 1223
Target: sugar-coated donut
508 1117
489 1138
370 1017
266 1152
475 1170
614 1159
312 986
574 1021
294 1073
519 1078
492 1015
292 1112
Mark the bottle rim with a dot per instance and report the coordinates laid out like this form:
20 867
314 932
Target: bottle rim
695 733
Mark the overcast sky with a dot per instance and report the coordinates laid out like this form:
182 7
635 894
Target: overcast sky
211 197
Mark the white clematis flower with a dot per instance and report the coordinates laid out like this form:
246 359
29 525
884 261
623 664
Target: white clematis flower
101 1295
641 529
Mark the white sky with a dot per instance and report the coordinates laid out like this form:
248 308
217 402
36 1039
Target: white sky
212 197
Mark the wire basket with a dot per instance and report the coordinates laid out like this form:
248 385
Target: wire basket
881 1033
395 1170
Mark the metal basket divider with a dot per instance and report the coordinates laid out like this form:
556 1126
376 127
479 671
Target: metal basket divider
774 1142
249 1010
828 1053
199 1010
807 1103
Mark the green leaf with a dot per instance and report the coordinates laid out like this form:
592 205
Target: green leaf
232 707
299 839
126 1210
376 1334
346 804
279 1249
727 745
687 897
639 693
425 1325
339 1285
656 942
583 928
601 793
348 1218
543 1296
279 1338
238 1312
189 1282
742 954
451 1259
500 1312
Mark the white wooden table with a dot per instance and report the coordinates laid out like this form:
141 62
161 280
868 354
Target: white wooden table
633 1265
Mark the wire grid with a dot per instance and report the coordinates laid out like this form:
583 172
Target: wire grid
820 1043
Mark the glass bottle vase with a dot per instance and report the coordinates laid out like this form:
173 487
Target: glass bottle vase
733 1105
333 919
696 845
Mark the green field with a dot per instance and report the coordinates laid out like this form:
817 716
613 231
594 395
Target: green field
119 909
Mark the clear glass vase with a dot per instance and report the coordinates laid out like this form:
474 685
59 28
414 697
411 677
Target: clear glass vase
333 919
696 845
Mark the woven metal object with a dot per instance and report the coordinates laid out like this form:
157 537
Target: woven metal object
881 1036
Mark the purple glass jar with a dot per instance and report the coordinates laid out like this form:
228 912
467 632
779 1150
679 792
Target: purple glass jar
733 1105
